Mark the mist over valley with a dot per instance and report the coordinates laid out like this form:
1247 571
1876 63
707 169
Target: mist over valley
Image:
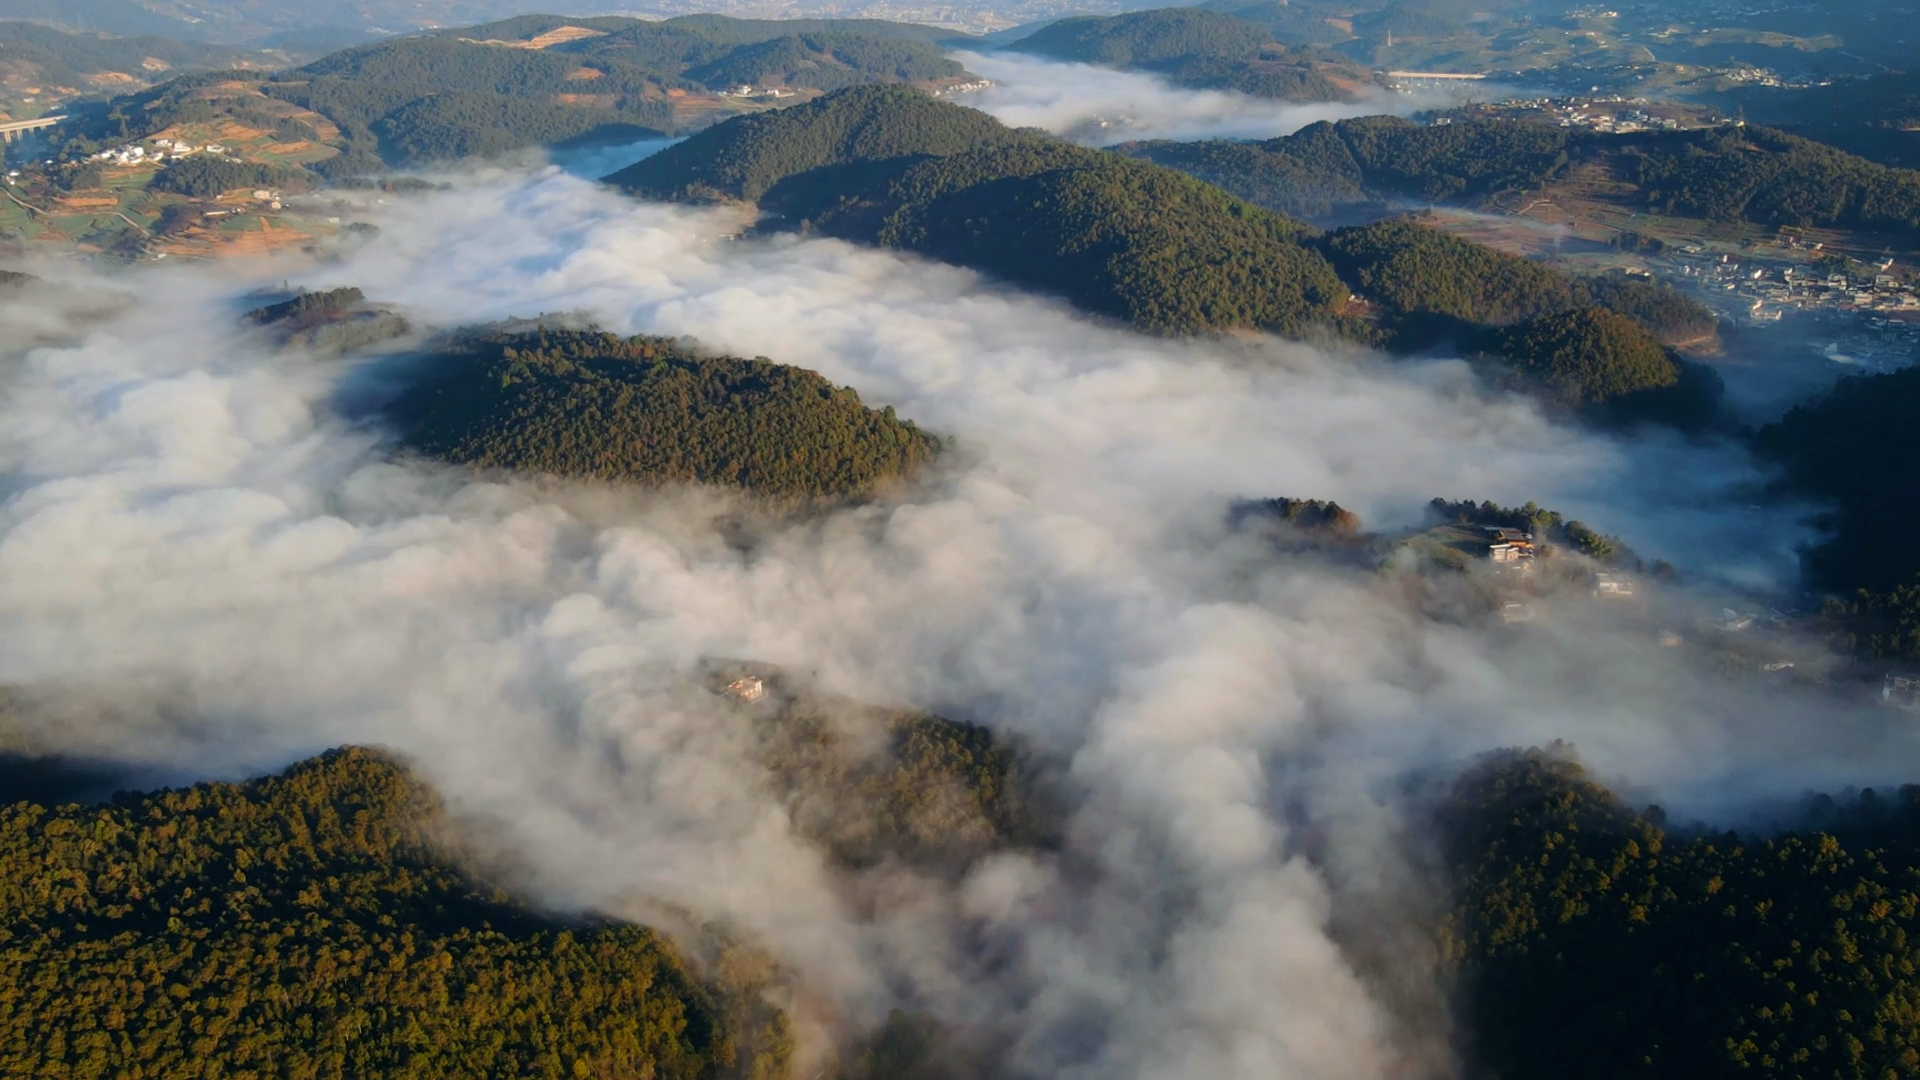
833 549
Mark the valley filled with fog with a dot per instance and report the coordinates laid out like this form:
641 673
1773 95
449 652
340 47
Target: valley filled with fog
219 556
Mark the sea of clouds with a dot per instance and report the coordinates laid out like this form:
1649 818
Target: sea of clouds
213 562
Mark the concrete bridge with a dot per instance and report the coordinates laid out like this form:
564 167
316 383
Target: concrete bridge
15 128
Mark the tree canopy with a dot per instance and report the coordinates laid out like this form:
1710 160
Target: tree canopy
1593 943
457 93
304 925
1116 236
1727 173
1411 268
744 157
1432 284
1853 450
1197 48
1585 358
652 410
535 80
306 307
1140 38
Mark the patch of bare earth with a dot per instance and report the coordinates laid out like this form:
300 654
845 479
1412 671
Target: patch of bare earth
559 35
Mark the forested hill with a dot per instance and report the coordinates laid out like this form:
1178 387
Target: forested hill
1728 173
1200 49
744 157
61 64
304 925
1593 944
1853 450
437 95
541 79
1118 237
592 405
1877 118
1593 345
325 922
1424 279
1167 253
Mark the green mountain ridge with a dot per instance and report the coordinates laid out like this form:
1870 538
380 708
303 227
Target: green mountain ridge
1593 943
487 89
35 54
323 921
331 920
1724 173
591 405
1117 237
306 925
1851 449
754 153
1165 252
1198 49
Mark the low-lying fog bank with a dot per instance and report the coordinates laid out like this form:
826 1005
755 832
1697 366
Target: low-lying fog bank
205 568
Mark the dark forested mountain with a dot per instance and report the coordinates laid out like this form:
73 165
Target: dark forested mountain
1593 944
1412 269
305 925
327 921
1126 238
1589 344
1141 38
124 18
1198 48
1326 165
1290 23
1853 449
1728 173
588 404
454 94
1281 182
1417 273
60 64
541 79
744 157
1877 118
1585 358
1118 237
328 323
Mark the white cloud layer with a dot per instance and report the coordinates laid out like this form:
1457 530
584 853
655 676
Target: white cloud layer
1101 106
193 531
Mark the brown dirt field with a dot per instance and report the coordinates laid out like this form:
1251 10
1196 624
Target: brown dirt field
584 74
216 91
690 105
111 78
154 63
79 203
203 242
230 132
302 152
560 35
604 101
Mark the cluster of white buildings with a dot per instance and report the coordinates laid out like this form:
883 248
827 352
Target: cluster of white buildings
956 89
163 150
1766 291
1603 113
